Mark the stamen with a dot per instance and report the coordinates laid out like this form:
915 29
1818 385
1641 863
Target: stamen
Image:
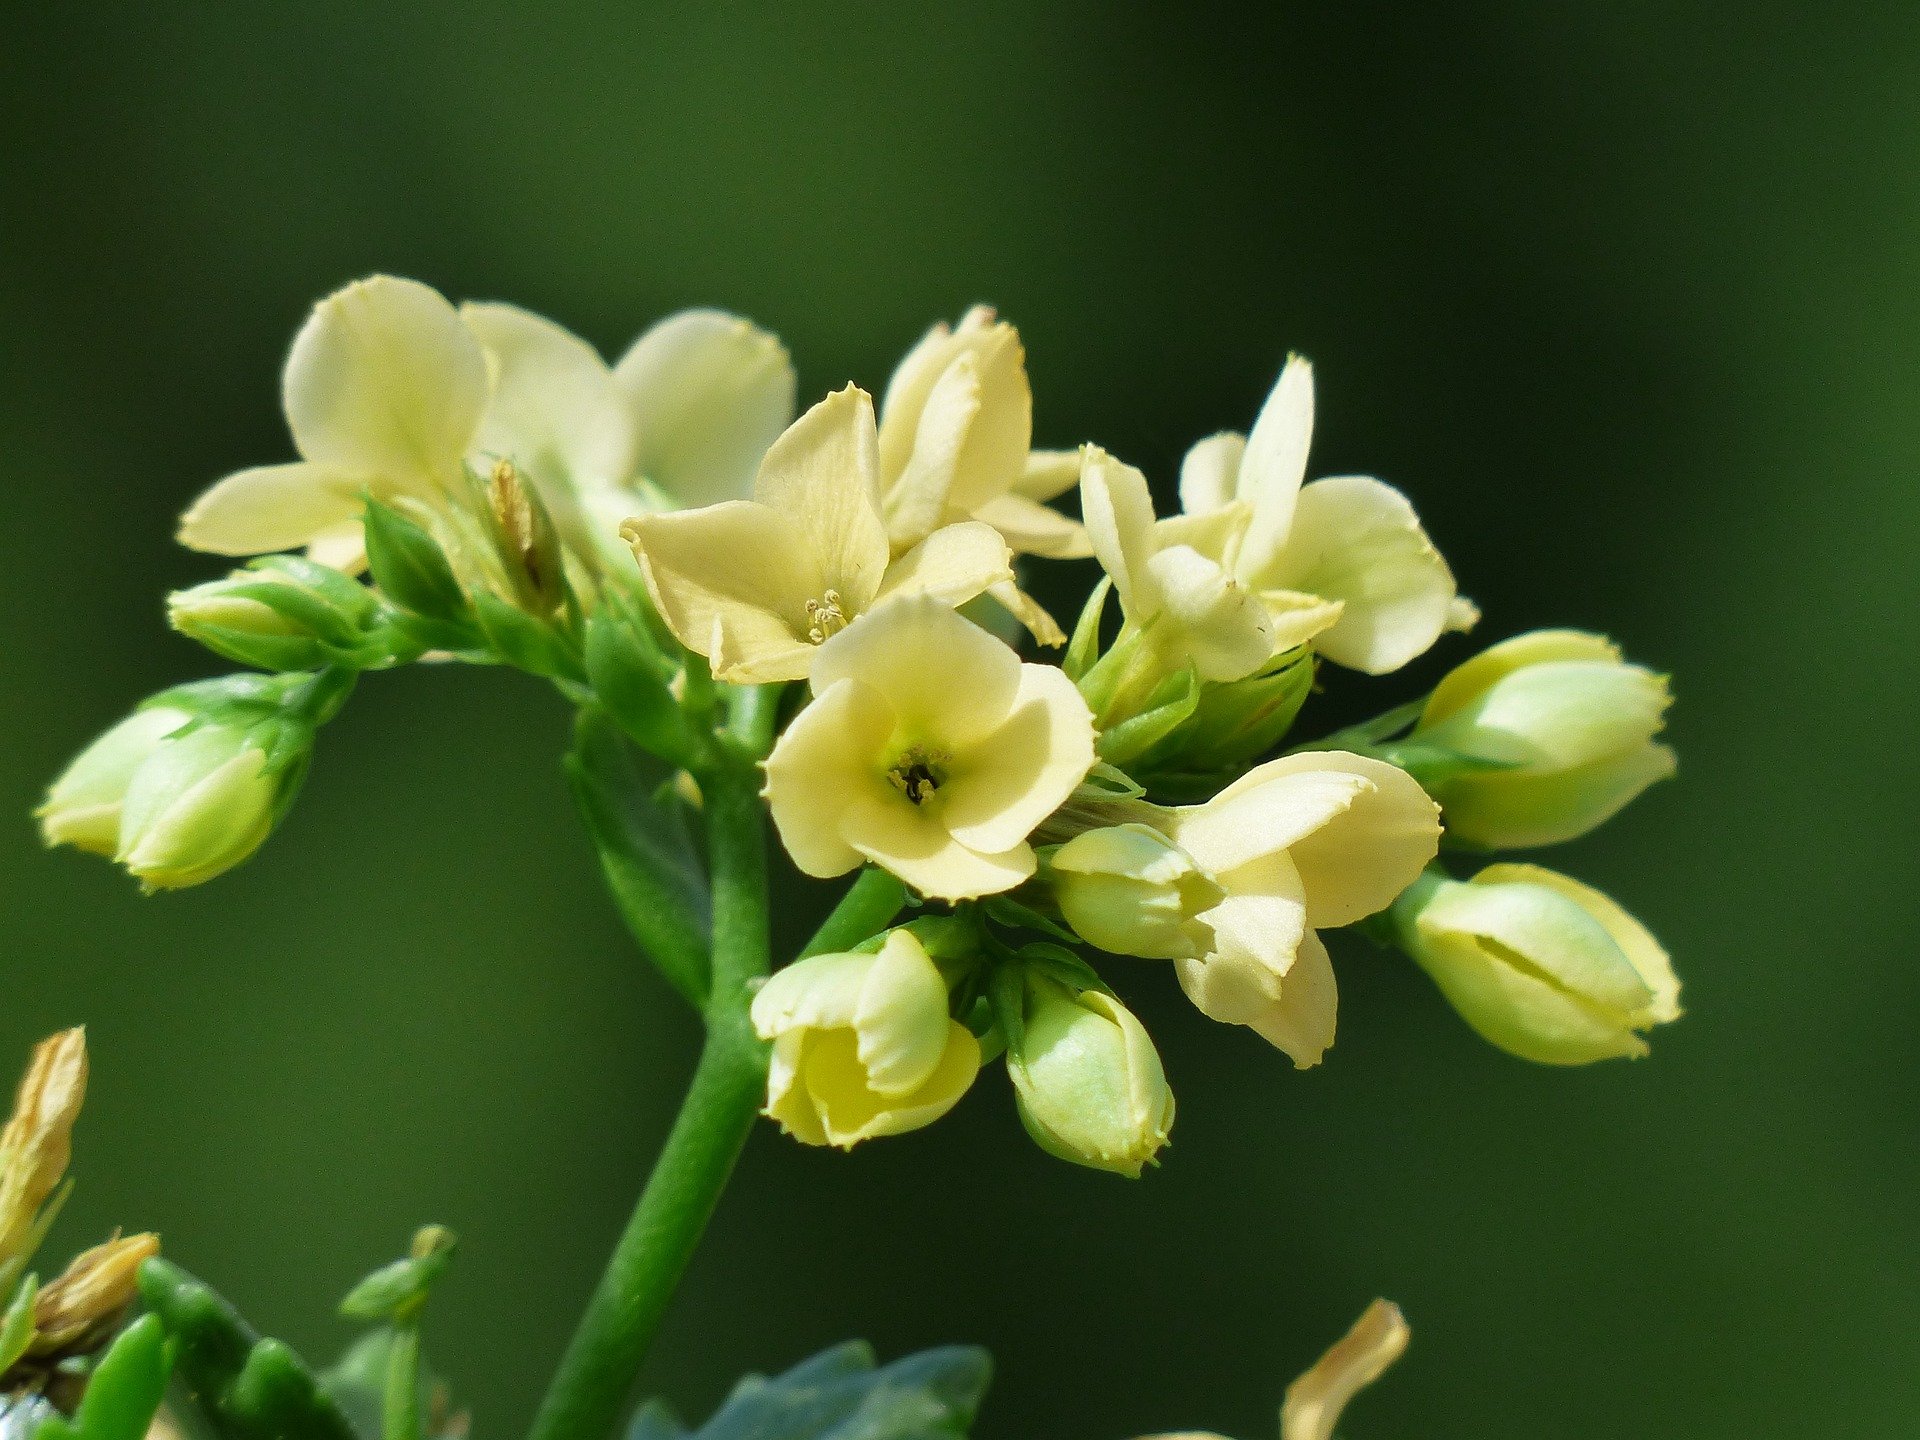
919 772
826 618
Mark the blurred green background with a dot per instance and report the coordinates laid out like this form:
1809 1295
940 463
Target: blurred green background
1625 296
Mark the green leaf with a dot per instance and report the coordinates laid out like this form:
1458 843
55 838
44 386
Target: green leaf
645 852
409 565
247 1388
625 673
124 1392
840 1395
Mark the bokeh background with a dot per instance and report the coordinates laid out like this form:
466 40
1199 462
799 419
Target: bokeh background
1625 296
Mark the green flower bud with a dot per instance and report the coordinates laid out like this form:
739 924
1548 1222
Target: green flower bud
199 805
1541 965
1087 1080
1132 891
1565 730
82 808
285 613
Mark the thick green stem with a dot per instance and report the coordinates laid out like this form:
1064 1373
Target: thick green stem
584 1400
864 911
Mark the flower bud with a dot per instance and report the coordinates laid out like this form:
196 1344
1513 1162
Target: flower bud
1541 965
1132 891
37 1144
199 805
77 1312
862 1044
82 808
1087 1079
1566 726
284 612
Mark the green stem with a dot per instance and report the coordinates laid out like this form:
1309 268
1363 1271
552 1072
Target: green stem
584 1400
864 911
400 1405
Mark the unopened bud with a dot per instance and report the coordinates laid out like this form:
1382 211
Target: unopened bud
529 545
37 1144
200 804
1539 964
1087 1080
82 808
1132 891
1566 727
284 612
79 1310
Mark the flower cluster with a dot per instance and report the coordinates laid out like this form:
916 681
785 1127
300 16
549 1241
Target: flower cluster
841 597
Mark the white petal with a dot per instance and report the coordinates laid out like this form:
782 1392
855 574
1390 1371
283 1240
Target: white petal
823 474
1274 464
1119 517
1048 473
1221 625
708 393
1210 474
384 381
271 507
917 498
954 564
1033 529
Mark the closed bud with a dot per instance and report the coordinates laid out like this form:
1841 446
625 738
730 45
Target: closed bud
526 542
76 1313
1132 891
199 805
1565 730
284 613
37 1144
1539 964
82 808
1232 722
1087 1080
863 1044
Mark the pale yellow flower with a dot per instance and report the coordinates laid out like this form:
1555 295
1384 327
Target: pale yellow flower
928 749
862 1045
384 392
1088 1083
1245 881
1351 541
758 586
955 426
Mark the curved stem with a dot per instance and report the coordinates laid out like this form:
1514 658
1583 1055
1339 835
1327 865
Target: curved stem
584 1400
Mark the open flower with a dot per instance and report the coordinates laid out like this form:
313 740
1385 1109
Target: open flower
862 1045
955 425
928 749
1570 725
758 586
1351 541
384 391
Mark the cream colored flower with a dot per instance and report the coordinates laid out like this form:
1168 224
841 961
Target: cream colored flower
862 1045
928 749
1174 586
1351 541
1088 1083
758 586
1571 722
384 391
955 426
1300 844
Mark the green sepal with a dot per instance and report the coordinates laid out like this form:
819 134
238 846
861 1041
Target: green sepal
840 1395
626 675
398 1290
124 1390
646 854
1168 705
1006 993
1062 965
1083 650
1235 721
1433 764
411 568
16 1327
247 1388
524 642
1007 911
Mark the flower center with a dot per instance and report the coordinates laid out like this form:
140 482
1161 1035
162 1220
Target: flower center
825 617
919 772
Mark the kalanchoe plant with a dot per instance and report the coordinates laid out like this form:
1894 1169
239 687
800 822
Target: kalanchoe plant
814 620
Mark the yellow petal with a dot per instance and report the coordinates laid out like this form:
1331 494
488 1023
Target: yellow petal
917 499
1119 518
1358 541
1647 956
1274 464
995 454
1253 817
1520 811
384 381
271 507
1366 854
1033 529
823 474
787 1099
850 1111
342 546
817 993
953 564
1315 1400
901 1023
906 395
828 759
748 618
1210 473
1024 608
912 843
909 651
1216 622
1296 618
708 393
1473 678
1047 473
1006 783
